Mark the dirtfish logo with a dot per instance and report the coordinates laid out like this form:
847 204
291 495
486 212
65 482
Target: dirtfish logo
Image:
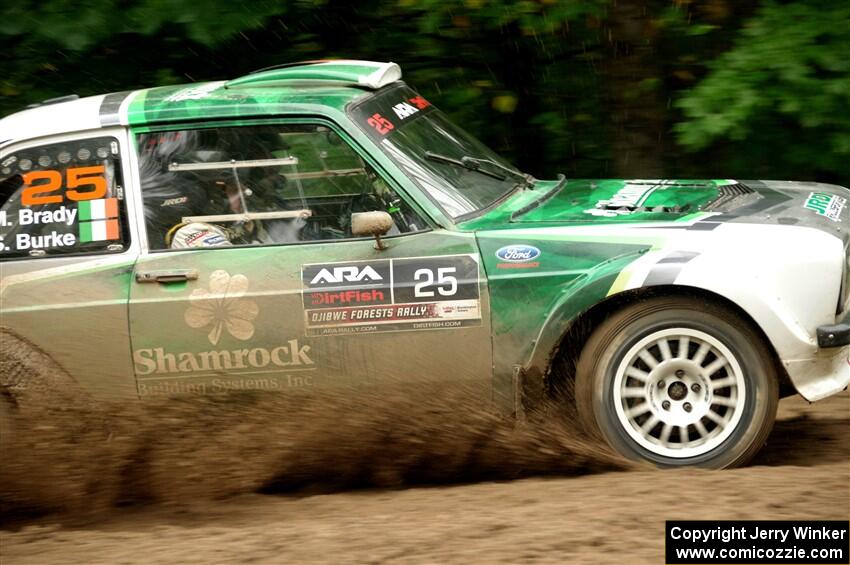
824 204
346 274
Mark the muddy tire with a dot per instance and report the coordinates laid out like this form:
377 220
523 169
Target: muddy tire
678 382
53 440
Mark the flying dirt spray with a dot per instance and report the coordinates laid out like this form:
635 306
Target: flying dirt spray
85 458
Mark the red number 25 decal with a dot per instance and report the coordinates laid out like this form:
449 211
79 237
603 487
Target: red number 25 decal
380 123
76 178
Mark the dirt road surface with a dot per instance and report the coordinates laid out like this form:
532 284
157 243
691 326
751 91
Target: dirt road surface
601 517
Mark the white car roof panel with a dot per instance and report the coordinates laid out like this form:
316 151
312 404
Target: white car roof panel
42 121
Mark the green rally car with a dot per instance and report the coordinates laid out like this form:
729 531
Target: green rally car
322 224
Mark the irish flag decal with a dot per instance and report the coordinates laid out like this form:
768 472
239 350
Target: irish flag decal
98 220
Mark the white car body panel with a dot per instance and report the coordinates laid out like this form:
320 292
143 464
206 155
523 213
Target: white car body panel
53 119
784 277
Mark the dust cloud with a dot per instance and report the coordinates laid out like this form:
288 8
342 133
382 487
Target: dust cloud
83 459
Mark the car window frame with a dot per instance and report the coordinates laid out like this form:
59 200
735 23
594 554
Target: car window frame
119 133
453 220
307 120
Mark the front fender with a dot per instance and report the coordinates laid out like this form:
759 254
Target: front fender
786 279
533 304
574 300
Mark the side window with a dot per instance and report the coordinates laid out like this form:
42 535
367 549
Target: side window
61 199
258 185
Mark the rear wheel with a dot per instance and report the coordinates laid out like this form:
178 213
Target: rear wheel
678 381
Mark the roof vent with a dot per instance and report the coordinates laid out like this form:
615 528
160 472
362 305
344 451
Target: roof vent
731 196
367 74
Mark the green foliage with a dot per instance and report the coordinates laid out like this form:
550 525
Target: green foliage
569 86
782 93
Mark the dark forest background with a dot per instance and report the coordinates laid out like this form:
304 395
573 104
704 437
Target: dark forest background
592 88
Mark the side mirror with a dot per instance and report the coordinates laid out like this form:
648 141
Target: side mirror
372 223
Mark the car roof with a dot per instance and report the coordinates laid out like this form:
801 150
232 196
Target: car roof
308 87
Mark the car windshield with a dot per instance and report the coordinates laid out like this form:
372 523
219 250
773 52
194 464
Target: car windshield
435 153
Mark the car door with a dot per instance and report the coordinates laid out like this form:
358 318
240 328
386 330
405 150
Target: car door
252 279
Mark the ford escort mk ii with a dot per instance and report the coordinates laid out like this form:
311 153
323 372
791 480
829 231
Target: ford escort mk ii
323 224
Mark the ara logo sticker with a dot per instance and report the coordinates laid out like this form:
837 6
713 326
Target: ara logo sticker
346 274
824 204
518 253
403 110
415 293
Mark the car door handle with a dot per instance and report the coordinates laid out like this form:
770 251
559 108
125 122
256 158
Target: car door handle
167 276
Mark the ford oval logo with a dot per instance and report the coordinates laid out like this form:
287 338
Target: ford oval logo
518 253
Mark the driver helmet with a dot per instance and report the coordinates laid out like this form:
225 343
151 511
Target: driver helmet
198 234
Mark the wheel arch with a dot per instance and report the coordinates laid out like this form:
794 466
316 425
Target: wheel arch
554 358
28 372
